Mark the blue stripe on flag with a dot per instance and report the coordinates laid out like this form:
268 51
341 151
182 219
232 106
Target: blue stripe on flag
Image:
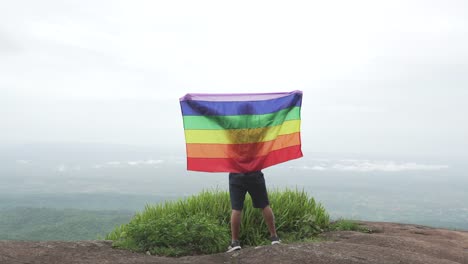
216 108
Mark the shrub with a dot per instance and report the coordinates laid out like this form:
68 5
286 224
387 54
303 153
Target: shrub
200 223
174 236
297 217
348 225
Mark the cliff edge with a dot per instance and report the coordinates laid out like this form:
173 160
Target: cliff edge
387 243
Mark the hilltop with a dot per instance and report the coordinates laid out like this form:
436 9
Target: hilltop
386 243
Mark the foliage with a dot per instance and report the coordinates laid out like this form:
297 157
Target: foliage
58 224
347 225
168 228
174 236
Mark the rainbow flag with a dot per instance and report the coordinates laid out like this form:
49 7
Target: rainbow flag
241 132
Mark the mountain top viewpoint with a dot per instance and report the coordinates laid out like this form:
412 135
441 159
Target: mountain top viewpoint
386 243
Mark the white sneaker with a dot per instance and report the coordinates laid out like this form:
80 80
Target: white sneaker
275 240
235 245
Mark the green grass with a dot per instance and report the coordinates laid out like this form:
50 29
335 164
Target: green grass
348 225
200 224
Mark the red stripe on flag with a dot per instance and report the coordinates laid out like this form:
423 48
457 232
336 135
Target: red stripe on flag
246 165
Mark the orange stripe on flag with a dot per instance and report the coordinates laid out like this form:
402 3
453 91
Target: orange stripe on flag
242 151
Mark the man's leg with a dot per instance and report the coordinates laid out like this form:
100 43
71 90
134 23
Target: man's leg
236 217
269 220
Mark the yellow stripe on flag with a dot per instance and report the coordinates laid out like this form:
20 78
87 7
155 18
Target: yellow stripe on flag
242 136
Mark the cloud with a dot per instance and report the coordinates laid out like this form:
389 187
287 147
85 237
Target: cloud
349 108
144 162
317 168
61 168
132 163
369 166
64 168
113 163
385 166
8 44
103 65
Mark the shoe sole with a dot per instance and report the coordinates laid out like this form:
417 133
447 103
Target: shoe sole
233 249
275 242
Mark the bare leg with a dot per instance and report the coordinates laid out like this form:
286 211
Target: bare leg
270 220
235 224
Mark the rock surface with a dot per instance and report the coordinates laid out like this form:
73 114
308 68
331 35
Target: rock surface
387 243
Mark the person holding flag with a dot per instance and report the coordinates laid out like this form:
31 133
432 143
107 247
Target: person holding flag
242 134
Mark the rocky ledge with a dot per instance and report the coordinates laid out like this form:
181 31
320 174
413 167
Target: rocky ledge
386 243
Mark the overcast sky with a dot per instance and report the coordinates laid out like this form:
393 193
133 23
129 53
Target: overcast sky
378 76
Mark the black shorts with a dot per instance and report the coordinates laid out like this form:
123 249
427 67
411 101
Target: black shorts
252 182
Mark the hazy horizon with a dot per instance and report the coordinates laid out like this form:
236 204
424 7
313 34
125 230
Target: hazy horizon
420 190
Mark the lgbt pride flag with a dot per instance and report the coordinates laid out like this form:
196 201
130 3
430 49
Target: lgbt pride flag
241 132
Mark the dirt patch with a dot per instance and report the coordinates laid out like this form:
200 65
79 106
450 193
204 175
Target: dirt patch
387 243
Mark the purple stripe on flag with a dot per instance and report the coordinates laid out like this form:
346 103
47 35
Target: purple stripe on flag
223 108
234 97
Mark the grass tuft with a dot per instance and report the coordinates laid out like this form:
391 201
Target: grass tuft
200 223
348 225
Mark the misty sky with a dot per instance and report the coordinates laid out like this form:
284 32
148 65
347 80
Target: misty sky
378 76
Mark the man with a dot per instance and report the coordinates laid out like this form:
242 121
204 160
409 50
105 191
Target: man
239 185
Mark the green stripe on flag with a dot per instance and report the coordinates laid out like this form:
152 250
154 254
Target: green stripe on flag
241 121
